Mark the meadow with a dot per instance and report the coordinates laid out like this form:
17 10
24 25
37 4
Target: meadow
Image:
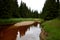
15 20
52 27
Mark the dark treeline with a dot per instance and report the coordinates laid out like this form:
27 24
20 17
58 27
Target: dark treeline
51 10
10 9
24 12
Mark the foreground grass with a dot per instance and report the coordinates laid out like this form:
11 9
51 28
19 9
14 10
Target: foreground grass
53 29
15 20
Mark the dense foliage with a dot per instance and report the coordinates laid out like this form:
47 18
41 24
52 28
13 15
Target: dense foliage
50 10
27 13
10 9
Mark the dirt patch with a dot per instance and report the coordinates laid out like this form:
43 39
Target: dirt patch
43 34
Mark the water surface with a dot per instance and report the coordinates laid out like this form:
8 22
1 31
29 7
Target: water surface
31 34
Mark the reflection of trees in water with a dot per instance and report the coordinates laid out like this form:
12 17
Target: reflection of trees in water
10 33
18 36
31 34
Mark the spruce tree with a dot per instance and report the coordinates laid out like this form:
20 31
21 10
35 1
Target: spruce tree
58 7
23 10
27 13
8 8
49 10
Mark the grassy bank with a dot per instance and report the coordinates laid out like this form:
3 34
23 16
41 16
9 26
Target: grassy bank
15 20
53 29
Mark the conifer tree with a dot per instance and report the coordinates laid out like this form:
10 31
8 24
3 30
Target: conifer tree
49 10
8 8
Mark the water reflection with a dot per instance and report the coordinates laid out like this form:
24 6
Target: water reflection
18 36
31 34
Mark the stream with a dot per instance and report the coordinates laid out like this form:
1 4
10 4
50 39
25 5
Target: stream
32 33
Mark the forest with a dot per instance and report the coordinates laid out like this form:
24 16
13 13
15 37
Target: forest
10 9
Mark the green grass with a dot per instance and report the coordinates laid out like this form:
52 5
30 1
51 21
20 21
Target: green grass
15 20
53 29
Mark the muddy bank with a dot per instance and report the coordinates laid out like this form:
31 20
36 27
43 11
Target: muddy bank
43 34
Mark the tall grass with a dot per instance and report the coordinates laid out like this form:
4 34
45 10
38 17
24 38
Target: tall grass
15 20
